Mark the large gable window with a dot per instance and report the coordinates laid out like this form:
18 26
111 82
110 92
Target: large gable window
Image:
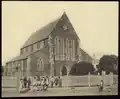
40 65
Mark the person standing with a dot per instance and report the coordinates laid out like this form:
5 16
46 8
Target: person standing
60 81
25 82
34 84
101 85
42 83
56 81
52 81
21 84
47 82
38 83
29 83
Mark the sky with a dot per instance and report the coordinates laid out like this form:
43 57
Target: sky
96 24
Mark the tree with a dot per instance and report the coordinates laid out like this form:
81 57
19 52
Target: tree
108 63
82 68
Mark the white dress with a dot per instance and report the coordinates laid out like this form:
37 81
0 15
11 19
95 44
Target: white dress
47 81
42 82
21 86
34 84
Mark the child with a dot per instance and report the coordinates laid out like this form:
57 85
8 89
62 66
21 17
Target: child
101 85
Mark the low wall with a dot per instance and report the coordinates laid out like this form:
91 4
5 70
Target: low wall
8 82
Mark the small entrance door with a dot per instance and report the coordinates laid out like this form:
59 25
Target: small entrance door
64 71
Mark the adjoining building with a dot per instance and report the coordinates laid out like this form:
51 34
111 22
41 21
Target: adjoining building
52 50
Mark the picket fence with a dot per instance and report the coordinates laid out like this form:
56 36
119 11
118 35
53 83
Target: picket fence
87 80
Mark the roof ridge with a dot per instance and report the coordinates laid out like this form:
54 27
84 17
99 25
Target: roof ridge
86 52
17 57
53 23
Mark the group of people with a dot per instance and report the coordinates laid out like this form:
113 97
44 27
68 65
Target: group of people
25 82
38 83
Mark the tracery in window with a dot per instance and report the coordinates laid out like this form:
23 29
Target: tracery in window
66 49
55 47
40 65
73 49
63 50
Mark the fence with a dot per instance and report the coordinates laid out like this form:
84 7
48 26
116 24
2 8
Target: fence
88 80
8 82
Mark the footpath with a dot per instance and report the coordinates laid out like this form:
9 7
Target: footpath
64 91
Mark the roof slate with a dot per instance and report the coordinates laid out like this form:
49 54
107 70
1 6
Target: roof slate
85 53
43 51
41 34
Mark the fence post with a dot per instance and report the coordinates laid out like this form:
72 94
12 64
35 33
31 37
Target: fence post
103 75
111 74
89 79
98 74
18 82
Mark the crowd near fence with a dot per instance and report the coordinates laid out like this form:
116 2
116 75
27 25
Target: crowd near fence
80 81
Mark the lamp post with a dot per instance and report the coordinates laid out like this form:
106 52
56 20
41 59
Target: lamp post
17 77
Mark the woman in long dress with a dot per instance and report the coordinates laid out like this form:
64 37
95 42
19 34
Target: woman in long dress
35 84
21 85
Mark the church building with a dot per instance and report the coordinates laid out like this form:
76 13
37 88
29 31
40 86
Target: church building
50 51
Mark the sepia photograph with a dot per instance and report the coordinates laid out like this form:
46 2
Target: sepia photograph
59 48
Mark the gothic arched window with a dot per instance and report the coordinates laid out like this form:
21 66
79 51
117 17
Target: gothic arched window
40 65
57 48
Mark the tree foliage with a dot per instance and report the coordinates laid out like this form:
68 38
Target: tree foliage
108 63
82 68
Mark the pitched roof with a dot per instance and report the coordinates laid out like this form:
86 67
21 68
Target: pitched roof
43 51
42 33
84 53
